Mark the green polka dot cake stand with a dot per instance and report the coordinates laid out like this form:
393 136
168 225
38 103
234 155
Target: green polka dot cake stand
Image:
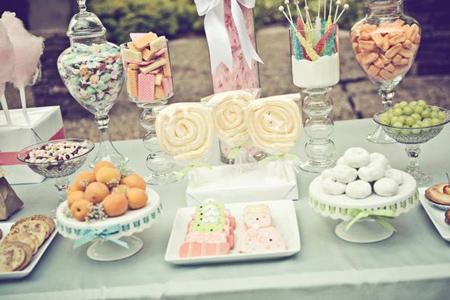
113 238
364 220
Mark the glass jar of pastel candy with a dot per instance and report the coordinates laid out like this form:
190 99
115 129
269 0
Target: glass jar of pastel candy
92 71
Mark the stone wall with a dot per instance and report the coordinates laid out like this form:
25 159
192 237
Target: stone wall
434 16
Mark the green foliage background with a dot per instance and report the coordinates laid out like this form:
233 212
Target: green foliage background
177 18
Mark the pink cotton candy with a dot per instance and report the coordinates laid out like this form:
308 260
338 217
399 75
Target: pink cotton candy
6 58
28 49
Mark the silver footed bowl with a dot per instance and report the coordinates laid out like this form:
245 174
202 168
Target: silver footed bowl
409 135
59 167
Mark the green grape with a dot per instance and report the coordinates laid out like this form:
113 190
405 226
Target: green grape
434 114
394 119
435 108
442 116
410 121
385 119
416 116
435 121
403 104
406 132
422 103
426 113
418 109
397 112
402 119
416 131
408 110
426 122
397 105
397 124
412 103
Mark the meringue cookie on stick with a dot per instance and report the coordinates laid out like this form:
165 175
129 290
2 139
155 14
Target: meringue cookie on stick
228 113
274 124
185 130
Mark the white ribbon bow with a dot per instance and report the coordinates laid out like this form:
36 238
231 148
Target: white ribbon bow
217 35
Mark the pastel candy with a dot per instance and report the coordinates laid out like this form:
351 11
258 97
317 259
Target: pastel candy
131 46
159 92
158 79
167 86
146 87
132 82
131 56
160 52
158 63
158 43
144 40
134 36
266 239
147 54
193 249
166 68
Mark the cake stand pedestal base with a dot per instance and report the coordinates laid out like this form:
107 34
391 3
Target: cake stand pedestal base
363 232
104 250
378 136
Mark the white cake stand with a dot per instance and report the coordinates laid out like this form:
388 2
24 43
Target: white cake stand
366 230
134 221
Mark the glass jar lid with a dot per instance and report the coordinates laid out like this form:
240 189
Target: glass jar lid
85 24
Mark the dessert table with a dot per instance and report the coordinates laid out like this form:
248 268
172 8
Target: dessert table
413 264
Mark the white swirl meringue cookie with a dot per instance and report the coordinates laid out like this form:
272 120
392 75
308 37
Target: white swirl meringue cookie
344 174
372 172
375 156
386 187
356 157
358 189
395 174
332 187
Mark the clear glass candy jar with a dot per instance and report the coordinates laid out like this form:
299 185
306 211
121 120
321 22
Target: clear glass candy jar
92 70
385 44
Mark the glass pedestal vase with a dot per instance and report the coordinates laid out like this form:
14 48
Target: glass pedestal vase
320 149
160 165
106 149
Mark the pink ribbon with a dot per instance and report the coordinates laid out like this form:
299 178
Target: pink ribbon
10 158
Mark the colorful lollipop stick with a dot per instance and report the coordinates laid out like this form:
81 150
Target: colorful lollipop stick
318 48
308 48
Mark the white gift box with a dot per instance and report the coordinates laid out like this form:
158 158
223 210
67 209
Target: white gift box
45 124
256 182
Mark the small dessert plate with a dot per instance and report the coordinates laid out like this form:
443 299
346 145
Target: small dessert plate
5 227
436 216
284 219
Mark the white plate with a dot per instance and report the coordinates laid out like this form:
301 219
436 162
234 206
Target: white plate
284 217
436 215
5 227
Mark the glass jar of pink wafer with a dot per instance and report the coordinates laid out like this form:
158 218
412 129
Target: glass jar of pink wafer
148 70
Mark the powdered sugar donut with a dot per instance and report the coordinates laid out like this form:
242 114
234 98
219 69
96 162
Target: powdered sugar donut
356 157
344 174
341 162
374 171
327 173
358 189
386 187
332 187
375 156
395 174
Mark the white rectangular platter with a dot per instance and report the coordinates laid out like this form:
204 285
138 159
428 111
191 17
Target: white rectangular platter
284 219
5 227
436 216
